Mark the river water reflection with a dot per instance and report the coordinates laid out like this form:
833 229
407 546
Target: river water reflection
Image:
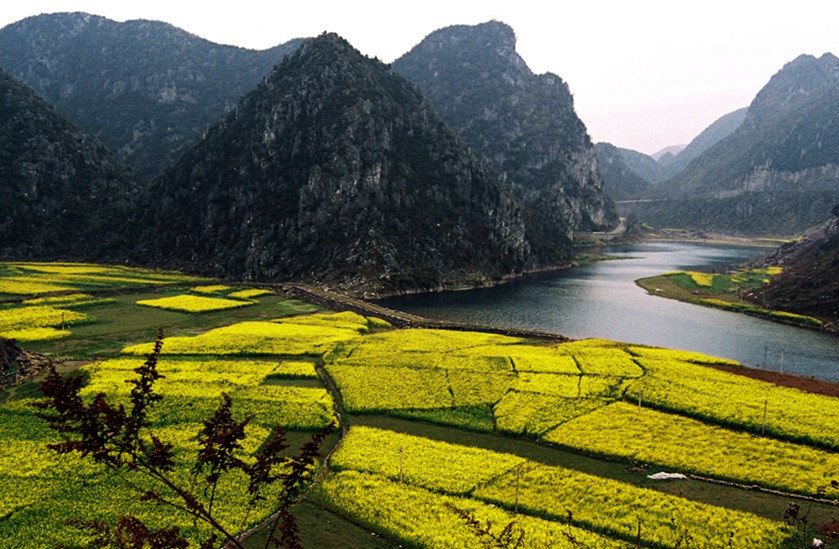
602 300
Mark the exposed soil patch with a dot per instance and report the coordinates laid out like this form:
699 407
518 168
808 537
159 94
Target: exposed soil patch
18 365
807 384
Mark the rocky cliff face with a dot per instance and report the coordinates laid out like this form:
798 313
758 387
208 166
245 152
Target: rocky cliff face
336 171
785 152
146 89
63 194
525 124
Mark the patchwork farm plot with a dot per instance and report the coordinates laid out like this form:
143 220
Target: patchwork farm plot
724 291
663 410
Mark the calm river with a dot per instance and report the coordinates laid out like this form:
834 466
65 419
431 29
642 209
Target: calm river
601 300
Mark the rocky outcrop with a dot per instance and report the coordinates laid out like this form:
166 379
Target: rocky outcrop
523 123
146 89
335 171
18 365
808 284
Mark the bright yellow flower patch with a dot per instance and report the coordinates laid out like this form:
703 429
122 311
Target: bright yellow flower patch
705 280
616 508
421 518
23 278
549 492
69 300
36 334
193 303
257 338
25 286
381 388
211 289
292 368
535 414
249 293
426 463
688 445
731 399
37 322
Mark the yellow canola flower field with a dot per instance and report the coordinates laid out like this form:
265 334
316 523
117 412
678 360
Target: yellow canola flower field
381 388
617 509
340 321
249 293
420 518
191 389
535 413
426 463
68 269
42 490
526 358
739 401
430 342
193 303
294 369
27 286
36 334
18 318
596 358
211 289
30 278
550 492
109 376
687 445
456 385
569 386
68 300
283 337
37 322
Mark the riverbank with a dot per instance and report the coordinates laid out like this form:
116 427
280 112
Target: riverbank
726 292
702 237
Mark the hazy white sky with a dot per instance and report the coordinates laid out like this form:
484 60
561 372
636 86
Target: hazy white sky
645 74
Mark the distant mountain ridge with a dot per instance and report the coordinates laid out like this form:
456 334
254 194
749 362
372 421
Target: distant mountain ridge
146 89
669 151
710 136
334 170
777 173
524 124
622 171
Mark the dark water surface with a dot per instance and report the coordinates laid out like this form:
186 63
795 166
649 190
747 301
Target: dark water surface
601 300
